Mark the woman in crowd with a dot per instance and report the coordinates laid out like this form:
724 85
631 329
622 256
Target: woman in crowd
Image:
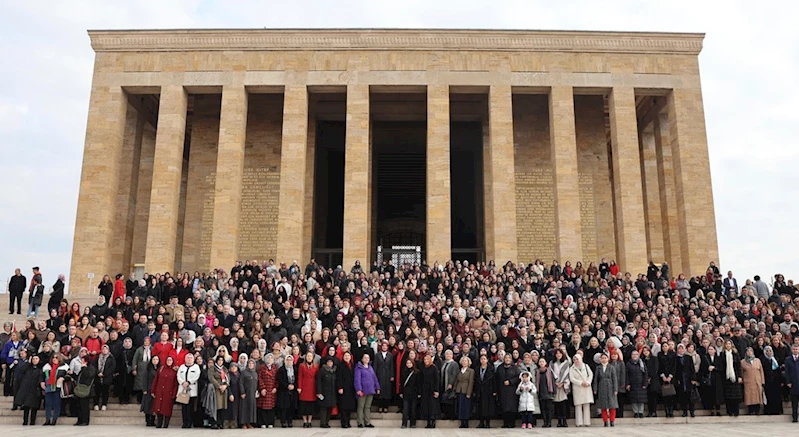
667 367
711 381
637 383
545 383
106 366
84 384
429 403
606 389
141 361
385 371
730 370
287 396
326 390
234 395
772 375
248 388
753 382
560 373
188 374
216 404
164 390
267 386
345 383
464 387
306 388
581 377
410 392
148 374
29 394
507 379
366 387
53 374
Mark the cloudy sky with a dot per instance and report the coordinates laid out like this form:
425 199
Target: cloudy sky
750 66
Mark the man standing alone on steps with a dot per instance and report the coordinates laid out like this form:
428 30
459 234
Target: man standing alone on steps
16 286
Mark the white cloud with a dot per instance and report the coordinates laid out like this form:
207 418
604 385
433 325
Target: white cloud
749 70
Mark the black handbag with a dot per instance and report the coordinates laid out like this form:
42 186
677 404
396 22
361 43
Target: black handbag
668 390
449 396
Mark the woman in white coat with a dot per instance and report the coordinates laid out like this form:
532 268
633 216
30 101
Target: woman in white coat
188 375
581 378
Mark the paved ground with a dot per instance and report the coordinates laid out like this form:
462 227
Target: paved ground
730 429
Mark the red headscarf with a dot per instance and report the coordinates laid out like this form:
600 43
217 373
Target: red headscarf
53 371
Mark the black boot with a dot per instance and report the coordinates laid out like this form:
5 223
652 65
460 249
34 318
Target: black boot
159 421
429 424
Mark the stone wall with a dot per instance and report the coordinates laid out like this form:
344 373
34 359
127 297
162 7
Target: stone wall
261 179
535 204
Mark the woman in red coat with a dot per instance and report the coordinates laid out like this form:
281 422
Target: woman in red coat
306 388
267 386
164 390
179 353
119 288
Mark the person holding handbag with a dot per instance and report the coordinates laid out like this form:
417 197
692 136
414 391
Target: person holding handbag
188 375
52 380
83 389
667 365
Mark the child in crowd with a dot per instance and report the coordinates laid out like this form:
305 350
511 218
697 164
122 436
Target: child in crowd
527 392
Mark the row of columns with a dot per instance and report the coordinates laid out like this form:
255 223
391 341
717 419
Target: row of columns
686 217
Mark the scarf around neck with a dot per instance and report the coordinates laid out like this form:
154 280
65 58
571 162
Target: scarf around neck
548 375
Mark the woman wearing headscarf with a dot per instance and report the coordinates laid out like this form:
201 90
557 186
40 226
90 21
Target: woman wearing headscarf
123 380
164 390
753 381
730 369
216 402
248 388
57 294
326 390
773 380
188 375
507 380
581 377
141 360
429 405
106 366
147 374
637 383
345 383
233 396
267 386
287 392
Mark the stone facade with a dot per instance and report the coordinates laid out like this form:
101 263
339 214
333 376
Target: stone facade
594 145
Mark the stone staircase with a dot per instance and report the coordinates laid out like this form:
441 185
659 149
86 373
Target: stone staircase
129 415
84 300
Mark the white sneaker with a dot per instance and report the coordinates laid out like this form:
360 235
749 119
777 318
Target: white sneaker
271 426
104 408
96 408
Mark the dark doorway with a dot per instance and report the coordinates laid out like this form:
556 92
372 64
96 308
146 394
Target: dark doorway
466 164
399 160
328 235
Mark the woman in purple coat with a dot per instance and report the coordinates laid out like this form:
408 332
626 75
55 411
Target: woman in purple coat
366 387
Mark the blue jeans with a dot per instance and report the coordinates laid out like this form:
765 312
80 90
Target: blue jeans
52 405
33 309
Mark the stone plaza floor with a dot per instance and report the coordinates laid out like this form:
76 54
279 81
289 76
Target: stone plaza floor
729 429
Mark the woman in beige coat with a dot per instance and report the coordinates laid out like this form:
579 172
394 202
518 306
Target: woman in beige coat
581 378
464 385
753 381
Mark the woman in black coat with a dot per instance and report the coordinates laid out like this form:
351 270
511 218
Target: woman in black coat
507 380
430 382
667 369
345 382
653 374
733 391
29 396
637 384
773 377
287 396
57 294
711 382
485 392
326 388
410 391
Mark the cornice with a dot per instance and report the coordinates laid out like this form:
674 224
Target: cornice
393 40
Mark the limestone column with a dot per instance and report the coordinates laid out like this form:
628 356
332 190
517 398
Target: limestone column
167 173
668 195
692 174
310 177
357 179
95 216
627 192
293 152
229 172
651 191
563 143
501 212
439 222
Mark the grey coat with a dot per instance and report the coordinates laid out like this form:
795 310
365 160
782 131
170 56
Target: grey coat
605 387
141 382
384 369
248 385
621 375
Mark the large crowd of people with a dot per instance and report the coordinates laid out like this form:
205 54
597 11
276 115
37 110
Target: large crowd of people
266 344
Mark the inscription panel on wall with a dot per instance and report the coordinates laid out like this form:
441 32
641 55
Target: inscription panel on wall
259 210
535 215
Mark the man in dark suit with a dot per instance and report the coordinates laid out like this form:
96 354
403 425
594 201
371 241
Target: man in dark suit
792 379
16 286
730 284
